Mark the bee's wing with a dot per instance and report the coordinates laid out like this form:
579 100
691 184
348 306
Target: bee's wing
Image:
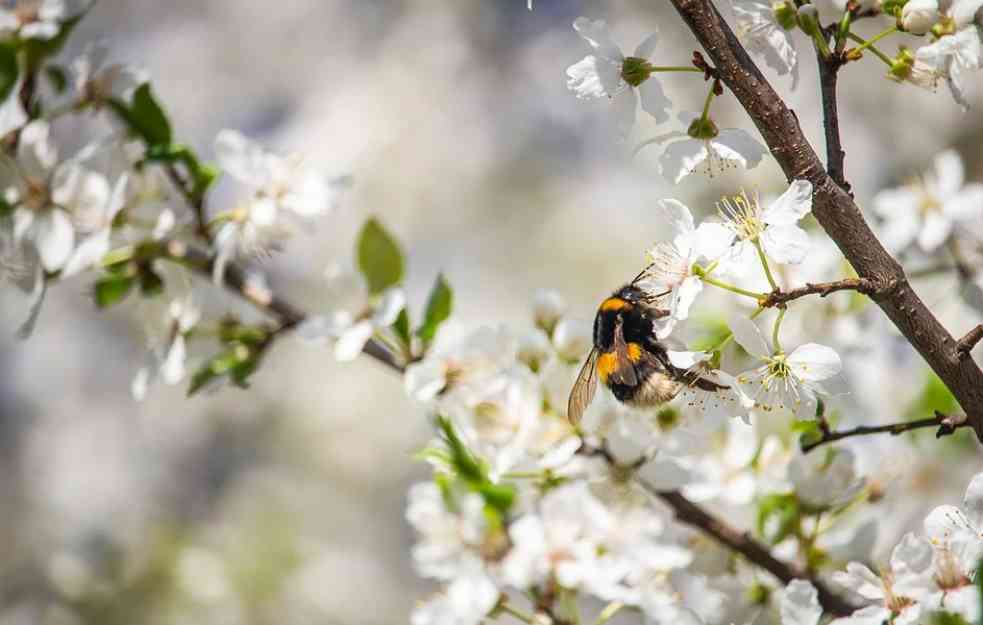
583 389
624 370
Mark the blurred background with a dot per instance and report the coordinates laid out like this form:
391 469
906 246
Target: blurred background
284 504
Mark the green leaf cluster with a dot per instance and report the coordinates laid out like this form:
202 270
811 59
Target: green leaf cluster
244 348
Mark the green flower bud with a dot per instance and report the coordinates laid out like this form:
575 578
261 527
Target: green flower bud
702 129
808 19
784 13
893 7
635 70
901 65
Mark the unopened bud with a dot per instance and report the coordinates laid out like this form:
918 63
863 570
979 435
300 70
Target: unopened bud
901 65
893 7
635 70
547 308
854 54
808 18
784 14
919 16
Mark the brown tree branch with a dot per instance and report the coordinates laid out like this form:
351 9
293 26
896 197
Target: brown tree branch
780 298
286 314
834 208
968 342
945 424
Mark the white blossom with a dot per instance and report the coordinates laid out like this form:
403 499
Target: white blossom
281 188
766 29
670 270
775 228
169 352
352 330
800 604
95 80
706 145
607 73
918 16
927 209
784 381
39 19
461 371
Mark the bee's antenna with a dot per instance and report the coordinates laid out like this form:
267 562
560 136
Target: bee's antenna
641 273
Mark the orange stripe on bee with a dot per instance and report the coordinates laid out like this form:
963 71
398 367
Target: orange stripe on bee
634 352
606 365
614 303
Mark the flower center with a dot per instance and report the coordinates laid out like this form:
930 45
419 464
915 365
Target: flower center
703 128
36 194
948 574
743 215
635 70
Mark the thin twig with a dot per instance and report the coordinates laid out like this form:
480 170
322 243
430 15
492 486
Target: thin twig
945 424
833 207
741 542
829 68
779 298
195 200
235 279
968 342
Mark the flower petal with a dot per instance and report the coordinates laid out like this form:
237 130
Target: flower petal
352 341
949 173
55 239
598 37
734 144
647 46
685 296
973 500
800 604
592 77
749 336
814 362
681 158
392 303
711 240
654 100
966 204
790 206
241 157
625 105
678 215
935 230
785 244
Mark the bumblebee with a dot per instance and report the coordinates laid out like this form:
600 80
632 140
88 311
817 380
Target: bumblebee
628 358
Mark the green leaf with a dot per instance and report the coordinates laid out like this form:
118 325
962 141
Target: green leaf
379 257
498 496
151 121
8 70
463 461
438 309
57 76
402 327
935 395
778 516
112 289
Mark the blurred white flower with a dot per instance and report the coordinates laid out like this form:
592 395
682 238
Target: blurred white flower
766 29
460 372
927 209
670 269
281 187
705 144
97 221
447 539
825 480
784 381
12 113
956 538
351 331
467 600
39 19
949 58
774 228
918 16
609 74
548 307
169 353
572 338
96 81
800 604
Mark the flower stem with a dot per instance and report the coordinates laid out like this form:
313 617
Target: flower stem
610 610
730 334
732 288
764 263
870 42
519 614
706 104
675 68
863 42
775 331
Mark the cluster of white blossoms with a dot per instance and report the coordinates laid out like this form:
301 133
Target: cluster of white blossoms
629 80
927 574
951 42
